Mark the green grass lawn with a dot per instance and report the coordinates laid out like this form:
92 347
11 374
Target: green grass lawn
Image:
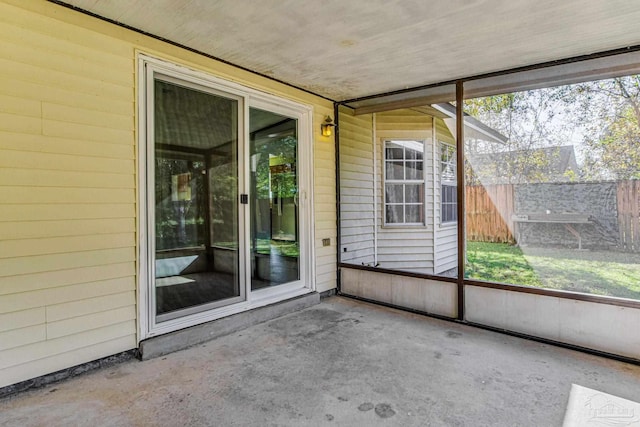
595 272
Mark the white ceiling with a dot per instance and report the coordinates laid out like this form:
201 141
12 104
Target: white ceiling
344 49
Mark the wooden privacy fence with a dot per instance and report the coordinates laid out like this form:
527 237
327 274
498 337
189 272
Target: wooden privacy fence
488 213
490 209
628 215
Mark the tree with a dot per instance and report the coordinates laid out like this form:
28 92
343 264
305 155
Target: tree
601 118
610 111
532 124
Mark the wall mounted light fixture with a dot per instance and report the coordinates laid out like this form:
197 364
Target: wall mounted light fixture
327 127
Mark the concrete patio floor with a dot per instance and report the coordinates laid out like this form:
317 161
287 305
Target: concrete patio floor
342 362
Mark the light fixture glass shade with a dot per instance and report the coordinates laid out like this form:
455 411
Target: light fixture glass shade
327 127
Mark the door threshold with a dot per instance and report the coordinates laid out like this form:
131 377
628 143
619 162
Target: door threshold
194 335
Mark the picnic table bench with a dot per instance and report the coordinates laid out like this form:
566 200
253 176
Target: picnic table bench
566 219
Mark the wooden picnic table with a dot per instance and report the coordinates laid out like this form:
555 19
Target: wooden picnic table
566 219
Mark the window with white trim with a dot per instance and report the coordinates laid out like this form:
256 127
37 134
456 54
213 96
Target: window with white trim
403 182
448 184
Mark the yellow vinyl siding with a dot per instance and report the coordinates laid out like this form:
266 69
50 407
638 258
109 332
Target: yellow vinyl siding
74 355
64 261
64 294
73 309
86 132
68 184
17 289
65 162
43 349
18 81
67 188
35 195
22 319
443 132
61 146
66 114
49 178
356 188
39 38
22 336
20 124
61 328
65 61
324 202
20 106
66 211
36 230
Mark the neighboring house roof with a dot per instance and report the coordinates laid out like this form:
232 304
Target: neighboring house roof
547 164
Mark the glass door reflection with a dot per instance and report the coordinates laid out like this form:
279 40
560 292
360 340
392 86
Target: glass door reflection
274 216
197 264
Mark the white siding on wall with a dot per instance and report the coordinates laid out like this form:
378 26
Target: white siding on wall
356 188
405 248
447 249
446 253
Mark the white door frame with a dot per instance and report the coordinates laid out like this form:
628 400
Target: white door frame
147 68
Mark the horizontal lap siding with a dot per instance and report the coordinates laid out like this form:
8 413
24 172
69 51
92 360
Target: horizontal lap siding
67 189
356 188
405 248
324 204
68 185
446 251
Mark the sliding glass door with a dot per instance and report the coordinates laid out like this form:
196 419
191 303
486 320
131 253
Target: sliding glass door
197 246
225 228
275 244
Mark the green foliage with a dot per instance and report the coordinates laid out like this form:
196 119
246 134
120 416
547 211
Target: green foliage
611 113
618 150
600 118
497 104
529 121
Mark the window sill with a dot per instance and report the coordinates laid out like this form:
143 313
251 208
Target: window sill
404 226
448 225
